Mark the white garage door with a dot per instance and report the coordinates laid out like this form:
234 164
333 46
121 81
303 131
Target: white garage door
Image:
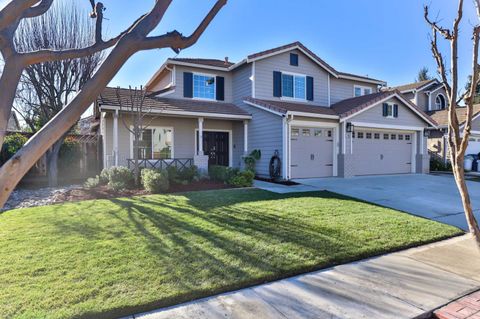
473 145
312 152
382 152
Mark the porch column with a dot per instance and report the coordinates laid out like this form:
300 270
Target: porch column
115 137
200 136
245 137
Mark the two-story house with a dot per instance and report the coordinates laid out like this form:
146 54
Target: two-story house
285 101
431 97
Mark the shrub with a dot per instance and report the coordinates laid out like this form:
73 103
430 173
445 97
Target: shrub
251 159
118 177
155 181
92 182
103 177
222 173
242 179
437 164
12 143
184 175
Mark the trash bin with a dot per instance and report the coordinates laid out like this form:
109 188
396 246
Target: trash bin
475 162
468 163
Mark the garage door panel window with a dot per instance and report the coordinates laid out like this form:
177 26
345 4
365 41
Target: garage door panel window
376 136
317 133
306 132
400 137
407 137
393 137
368 135
386 136
295 132
360 135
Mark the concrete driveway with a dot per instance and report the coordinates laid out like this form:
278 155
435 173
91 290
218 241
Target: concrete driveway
430 196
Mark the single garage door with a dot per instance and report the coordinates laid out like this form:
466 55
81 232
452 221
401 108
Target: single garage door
312 152
473 145
382 152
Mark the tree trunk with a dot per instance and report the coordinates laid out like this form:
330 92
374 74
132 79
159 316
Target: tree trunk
52 163
459 173
13 170
11 74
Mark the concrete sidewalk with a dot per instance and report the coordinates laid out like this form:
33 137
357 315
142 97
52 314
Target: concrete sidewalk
407 284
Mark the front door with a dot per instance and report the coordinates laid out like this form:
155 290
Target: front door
216 146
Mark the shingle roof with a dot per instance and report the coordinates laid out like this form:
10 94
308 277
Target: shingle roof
414 86
210 62
284 107
109 97
341 109
441 117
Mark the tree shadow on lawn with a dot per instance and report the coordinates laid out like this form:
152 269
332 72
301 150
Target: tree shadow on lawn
235 245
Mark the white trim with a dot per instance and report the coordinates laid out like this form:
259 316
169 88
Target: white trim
294 98
429 96
238 64
398 96
230 142
174 75
190 114
245 137
440 87
335 151
413 167
115 138
313 124
314 115
263 108
156 74
361 87
422 137
151 127
289 143
328 91
361 79
285 154
165 93
444 100
344 137
291 49
253 80
103 133
475 132
200 137
214 76
388 126
197 65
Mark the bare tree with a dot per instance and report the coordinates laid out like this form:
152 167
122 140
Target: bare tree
133 39
138 112
457 140
45 88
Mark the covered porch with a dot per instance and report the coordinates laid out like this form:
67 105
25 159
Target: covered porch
172 135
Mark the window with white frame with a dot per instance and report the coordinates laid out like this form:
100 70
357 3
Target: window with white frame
156 143
362 90
440 102
389 110
204 86
294 86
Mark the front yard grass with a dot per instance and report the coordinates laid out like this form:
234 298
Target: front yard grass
110 258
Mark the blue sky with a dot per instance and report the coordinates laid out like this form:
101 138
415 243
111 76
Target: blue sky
385 39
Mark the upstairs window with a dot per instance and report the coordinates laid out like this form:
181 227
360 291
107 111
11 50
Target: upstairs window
440 102
294 86
204 86
293 59
390 110
361 90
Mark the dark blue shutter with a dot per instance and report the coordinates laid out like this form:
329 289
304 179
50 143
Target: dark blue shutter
187 84
293 59
385 109
277 84
220 89
395 110
309 88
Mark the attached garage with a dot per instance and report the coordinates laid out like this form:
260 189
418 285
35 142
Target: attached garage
382 152
312 152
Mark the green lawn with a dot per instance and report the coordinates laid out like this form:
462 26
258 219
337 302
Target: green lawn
109 258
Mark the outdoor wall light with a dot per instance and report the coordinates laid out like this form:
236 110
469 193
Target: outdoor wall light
349 127
426 133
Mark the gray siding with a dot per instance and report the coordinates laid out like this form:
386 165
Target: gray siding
241 83
183 136
406 117
341 89
422 101
264 76
162 81
264 133
476 124
179 81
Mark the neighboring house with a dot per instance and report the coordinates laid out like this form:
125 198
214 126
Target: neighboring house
285 101
431 97
13 123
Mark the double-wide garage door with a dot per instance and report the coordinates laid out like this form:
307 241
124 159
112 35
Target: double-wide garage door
382 152
311 152
375 152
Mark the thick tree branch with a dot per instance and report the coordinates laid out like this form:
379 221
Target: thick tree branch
14 11
443 31
175 40
38 10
